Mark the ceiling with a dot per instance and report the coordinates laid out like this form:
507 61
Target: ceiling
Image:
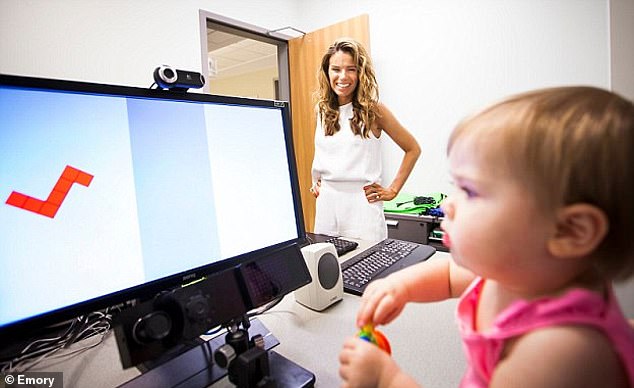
234 55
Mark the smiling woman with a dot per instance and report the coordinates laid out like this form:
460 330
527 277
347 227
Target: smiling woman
346 171
342 72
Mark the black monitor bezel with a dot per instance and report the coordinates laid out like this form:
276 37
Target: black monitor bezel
22 329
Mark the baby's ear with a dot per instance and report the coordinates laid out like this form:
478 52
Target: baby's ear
579 230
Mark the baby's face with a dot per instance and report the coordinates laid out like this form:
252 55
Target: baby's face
495 226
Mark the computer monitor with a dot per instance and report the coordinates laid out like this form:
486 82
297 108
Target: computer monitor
111 194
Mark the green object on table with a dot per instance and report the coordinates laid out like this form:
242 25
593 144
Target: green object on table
404 203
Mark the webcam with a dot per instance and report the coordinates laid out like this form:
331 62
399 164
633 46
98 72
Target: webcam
166 77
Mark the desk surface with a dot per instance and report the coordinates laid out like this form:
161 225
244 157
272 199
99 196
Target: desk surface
424 339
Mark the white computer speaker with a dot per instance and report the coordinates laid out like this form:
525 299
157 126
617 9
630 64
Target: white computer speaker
327 285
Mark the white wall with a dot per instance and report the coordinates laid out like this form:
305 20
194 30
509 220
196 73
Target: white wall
437 61
116 41
622 77
622 47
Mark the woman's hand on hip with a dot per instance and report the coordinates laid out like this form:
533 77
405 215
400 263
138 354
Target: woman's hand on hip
315 188
375 192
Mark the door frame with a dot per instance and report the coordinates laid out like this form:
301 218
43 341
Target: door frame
222 23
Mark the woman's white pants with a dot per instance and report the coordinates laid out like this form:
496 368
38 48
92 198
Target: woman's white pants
343 210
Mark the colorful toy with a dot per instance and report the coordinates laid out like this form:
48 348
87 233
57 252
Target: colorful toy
370 334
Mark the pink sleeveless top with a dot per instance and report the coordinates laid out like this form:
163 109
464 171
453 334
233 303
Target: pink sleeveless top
578 306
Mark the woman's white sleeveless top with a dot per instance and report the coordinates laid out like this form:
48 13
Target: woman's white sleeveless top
344 156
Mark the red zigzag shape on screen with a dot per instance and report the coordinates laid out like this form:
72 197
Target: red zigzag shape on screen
52 204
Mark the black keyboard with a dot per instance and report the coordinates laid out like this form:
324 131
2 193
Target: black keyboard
382 259
342 246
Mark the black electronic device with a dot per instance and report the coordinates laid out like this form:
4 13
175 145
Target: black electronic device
420 200
203 365
142 199
380 260
167 77
250 364
342 245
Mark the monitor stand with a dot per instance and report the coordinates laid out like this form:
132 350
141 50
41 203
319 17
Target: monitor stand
195 367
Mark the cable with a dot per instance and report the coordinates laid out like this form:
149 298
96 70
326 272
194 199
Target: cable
265 308
83 321
79 329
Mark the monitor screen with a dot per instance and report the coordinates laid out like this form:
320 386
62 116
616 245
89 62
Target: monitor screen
108 193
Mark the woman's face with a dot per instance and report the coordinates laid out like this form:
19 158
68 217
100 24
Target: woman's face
343 75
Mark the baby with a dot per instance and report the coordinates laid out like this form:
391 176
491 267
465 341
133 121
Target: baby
539 227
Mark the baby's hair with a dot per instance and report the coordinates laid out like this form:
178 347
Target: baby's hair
567 145
365 96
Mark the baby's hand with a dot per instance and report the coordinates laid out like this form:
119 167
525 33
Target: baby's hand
361 364
382 301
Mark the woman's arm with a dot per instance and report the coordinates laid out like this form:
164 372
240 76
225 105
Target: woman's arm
406 141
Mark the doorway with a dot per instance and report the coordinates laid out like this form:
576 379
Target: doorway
243 60
241 66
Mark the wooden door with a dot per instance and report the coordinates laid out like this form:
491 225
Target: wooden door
305 55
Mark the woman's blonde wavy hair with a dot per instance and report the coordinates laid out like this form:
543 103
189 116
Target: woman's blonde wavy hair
365 97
